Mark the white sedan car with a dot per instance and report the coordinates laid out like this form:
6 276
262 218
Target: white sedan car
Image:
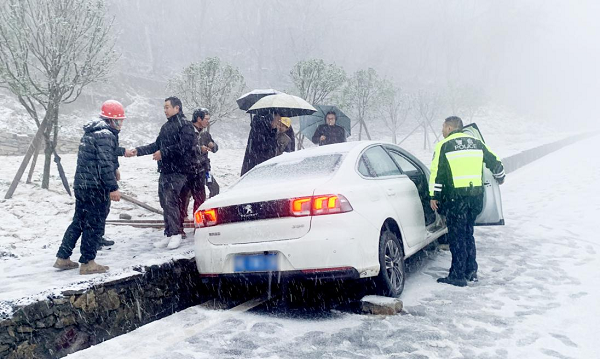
349 210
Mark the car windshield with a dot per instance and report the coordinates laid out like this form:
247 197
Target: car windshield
298 169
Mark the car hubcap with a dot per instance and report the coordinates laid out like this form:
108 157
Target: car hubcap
393 264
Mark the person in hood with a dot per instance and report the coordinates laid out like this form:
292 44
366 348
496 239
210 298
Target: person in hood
173 151
262 142
95 186
329 133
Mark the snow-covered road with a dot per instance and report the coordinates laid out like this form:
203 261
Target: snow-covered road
538 294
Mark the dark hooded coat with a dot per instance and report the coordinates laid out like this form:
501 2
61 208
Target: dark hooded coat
262 142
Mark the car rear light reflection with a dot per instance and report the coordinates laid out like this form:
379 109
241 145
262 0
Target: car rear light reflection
206 217
319 205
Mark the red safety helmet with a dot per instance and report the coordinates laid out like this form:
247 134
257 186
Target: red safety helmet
113 109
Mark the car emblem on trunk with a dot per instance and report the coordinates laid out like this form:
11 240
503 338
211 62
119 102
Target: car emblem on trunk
246 211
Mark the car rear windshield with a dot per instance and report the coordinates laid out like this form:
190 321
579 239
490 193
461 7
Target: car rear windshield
300 169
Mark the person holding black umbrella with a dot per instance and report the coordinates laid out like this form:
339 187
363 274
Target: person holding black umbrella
329 133
262 139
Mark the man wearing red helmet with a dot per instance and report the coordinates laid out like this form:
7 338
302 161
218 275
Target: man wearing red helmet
95 186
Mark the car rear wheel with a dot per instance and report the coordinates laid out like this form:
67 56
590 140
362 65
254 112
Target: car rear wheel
390 281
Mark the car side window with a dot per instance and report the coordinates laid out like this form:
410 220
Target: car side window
363 169
407 166
379 162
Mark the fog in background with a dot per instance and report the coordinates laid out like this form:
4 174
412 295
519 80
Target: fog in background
537 58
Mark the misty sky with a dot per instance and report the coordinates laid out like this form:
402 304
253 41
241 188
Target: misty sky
537 57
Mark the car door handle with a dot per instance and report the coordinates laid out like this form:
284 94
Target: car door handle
390 192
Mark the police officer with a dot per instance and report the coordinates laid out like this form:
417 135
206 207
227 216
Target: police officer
456 190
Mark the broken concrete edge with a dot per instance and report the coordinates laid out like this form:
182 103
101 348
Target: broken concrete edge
60 325
377 305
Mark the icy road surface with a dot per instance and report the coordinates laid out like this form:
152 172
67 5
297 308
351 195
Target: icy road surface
538 294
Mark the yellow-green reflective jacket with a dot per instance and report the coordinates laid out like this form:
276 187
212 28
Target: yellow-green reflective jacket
457 167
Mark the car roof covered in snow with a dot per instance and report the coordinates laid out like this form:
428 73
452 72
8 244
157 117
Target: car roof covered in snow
341 148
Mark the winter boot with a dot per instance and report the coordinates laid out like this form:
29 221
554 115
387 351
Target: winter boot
162 243
472 277
175 242
104 242
459 282
65 264
92 267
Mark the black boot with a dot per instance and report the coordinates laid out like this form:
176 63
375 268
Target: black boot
459 282
472 277
105 243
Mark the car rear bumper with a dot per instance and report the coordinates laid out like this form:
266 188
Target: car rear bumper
323 274
337 246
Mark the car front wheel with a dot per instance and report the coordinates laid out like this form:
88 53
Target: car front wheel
390 281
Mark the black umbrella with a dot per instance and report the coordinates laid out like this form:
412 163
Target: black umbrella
246 101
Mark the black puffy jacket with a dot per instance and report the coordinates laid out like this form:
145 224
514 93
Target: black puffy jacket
175 142
97 158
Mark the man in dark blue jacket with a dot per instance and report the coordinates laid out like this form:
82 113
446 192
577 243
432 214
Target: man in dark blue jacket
173 150
95 186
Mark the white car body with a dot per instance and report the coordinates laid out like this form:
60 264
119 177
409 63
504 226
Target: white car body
332 245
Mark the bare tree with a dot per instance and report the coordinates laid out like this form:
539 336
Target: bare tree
316 81
395 107
466 100
427 106
362 95
50 50
211 84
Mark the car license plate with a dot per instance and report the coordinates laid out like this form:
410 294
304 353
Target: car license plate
255 262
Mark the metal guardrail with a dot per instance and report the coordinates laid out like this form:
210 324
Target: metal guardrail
514 162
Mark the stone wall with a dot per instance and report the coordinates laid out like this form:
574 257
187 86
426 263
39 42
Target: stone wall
59 326
12 144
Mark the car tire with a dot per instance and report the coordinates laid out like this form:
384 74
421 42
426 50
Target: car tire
392 273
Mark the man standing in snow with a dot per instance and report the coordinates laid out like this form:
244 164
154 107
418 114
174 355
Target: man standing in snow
456 190
196 179
95 186
173 151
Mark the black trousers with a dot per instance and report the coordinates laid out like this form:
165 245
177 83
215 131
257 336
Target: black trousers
194 187
169 194
461 213
91 208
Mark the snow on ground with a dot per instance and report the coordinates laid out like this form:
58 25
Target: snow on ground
537 296
34 220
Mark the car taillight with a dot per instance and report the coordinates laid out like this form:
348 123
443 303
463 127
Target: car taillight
206 217
319 205
301 206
